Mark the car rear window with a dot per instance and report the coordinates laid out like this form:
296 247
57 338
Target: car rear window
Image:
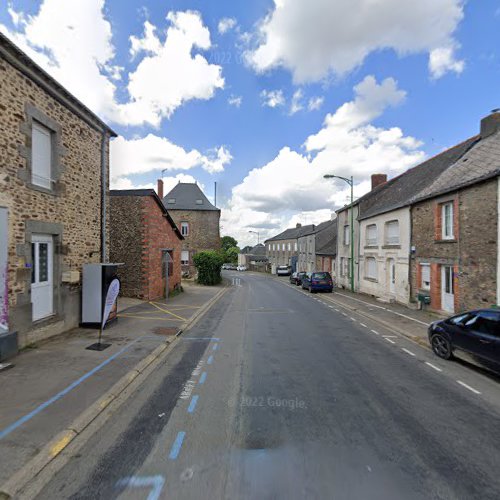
321 276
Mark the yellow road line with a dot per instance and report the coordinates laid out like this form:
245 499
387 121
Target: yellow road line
168 312
62 443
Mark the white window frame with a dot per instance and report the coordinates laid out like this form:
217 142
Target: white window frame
295 246
427 268
183 260
392 240
371 239
41 155
347 235
371 268
447 229
185 228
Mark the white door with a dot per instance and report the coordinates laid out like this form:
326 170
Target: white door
392 276
447 293
42 286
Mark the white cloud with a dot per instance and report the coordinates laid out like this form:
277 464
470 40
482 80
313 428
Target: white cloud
314 38
72 41
169 183
296 104
150 153
235 101
226 24
272 98
291 186
442 60
315 103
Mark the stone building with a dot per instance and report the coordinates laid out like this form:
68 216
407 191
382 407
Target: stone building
309 243
197 219
143 236
455 229
326 250
53 200
282 249
253 258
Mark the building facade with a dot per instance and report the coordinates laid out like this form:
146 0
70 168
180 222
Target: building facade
54 170
344 246
146 240
197 219
310 243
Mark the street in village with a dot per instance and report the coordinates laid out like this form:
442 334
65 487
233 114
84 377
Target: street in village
273 392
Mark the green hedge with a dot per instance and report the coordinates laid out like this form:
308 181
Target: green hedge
208 265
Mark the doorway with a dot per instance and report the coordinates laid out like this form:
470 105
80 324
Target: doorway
42 282
391 265
447 289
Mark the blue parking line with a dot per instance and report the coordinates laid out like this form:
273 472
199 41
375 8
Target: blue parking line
203 378
210 360
176 447
214 347
5 432
192 404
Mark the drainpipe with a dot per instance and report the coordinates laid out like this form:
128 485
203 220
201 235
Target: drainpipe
103 196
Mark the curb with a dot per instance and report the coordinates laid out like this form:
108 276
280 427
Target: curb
61 440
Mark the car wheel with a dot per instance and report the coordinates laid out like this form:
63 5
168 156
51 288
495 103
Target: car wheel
441 346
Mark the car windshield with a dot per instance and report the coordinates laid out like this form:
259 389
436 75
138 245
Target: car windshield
321 276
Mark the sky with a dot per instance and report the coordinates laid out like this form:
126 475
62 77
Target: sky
265 97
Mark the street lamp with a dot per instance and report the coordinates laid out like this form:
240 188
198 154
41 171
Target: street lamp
351 183
257 233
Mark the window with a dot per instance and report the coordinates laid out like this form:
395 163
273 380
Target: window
342 267
289 246
447 221
199 202
346 235
185 257
171 201
485 322
371 234
392 233
41 159
283 247
184 228
371 268
425 276
295 246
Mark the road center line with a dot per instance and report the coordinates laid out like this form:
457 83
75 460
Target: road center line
375 332
176 447
391 341
407 351
362 324
352 318
433 366
463 384
192 404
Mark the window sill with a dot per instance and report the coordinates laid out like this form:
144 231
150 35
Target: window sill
452 240
373 247
41 189
373 280
389 247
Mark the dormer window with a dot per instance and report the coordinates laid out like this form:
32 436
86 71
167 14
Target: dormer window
171 201
199 202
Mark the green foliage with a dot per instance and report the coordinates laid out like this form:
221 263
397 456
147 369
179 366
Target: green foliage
228 242
208 264
231 255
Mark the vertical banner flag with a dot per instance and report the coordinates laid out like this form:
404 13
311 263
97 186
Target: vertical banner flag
113 291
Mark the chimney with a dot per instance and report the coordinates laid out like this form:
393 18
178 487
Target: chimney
298 225
378 179
160 189
490 124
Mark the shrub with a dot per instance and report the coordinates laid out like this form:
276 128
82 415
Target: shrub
208 265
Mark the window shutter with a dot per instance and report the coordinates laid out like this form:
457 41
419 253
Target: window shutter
41 156
393 233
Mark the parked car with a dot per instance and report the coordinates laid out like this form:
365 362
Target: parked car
241 268
293 278
318 282
300 276
474 332
284 270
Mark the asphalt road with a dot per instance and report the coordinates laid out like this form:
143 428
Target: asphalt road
277 393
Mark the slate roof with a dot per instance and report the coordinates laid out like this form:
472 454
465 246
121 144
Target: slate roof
292 233
259 249
186 196
409 186
326 240
148 192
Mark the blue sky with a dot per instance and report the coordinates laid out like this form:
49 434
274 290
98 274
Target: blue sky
376 90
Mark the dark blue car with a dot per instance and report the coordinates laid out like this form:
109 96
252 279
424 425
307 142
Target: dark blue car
318 282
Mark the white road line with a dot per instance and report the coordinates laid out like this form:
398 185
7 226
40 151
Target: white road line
362 324
375 332
463 384
352 318
408 352
344 314
389 336
391 341
337 310
433 366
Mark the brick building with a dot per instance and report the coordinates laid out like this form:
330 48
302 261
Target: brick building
141 232
197 219
53 197
455 227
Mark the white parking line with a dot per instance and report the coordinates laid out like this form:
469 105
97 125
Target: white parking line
463 384
344 314
337 310
362 324
352 318
389 336
433 366
375 332
391 341
407 351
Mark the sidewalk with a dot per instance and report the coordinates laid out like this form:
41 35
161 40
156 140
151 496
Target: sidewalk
54 382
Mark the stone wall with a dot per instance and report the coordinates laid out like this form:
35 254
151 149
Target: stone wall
73 207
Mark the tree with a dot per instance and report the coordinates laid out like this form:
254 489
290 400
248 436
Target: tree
208 265
228 242
231 255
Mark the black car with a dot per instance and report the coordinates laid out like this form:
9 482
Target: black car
475 332
293 278
300 276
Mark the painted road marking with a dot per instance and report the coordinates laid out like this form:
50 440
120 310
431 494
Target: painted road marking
201 338
389 336
433 366
391 341
375 332
337 310
463 384
407 351
203 378
210 360
176 447
167 311
352 318
192 404
59 395
154 482
187 390
362 324
344 314
214 347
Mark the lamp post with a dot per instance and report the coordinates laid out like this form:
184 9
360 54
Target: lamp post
257 233
351 183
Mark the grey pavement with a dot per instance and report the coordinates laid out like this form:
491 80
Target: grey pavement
276 393
52 383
